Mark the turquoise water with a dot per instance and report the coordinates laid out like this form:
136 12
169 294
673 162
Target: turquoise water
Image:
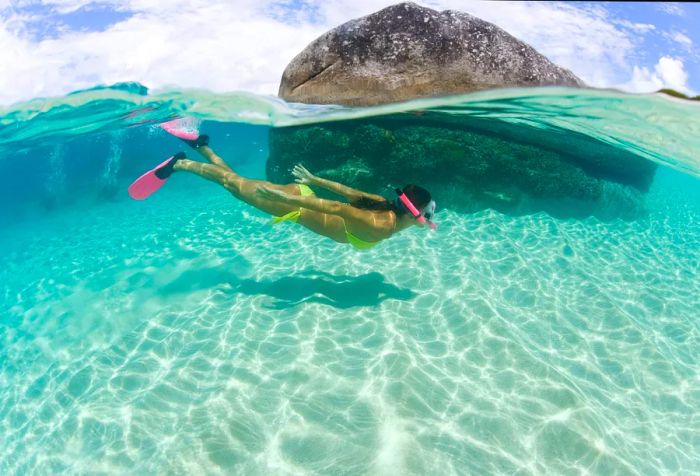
185 335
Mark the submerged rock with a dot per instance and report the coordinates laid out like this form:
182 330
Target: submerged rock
406 51
468 168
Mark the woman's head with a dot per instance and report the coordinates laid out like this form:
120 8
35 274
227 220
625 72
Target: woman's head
420 198
416 202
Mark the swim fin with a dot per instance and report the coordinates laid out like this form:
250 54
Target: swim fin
187 130
147 184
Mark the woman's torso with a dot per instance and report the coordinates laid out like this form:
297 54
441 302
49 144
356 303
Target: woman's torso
367 225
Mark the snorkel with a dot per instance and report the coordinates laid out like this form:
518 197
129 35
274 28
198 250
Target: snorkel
428 211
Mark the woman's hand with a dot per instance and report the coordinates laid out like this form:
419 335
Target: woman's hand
302 175
271 193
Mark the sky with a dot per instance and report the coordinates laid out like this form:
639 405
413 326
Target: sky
52 47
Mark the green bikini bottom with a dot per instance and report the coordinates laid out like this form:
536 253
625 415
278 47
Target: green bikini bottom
293 216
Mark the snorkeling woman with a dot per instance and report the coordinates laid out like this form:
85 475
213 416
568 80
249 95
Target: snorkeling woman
363 222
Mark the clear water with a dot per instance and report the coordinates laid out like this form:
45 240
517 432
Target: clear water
184 335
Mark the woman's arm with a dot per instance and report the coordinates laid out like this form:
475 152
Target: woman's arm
331 207
304 176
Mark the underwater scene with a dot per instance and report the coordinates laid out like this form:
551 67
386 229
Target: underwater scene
549 325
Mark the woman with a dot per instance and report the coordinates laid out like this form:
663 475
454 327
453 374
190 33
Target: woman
363 222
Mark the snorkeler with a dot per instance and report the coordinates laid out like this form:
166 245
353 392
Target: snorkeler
363 222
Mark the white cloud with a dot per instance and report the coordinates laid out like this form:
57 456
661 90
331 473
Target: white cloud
68 6
200 44
679 38
672 73
226 45
672 8
638 27
669 72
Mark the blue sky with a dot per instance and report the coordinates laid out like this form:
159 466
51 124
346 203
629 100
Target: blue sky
48 21
56 46
677 32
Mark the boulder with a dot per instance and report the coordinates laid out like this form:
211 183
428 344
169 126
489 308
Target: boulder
406 51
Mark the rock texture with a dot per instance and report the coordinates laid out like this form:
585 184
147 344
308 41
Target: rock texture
470 164
407 51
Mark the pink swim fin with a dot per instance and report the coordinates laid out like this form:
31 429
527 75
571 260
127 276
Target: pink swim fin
147 184
187 130
183 128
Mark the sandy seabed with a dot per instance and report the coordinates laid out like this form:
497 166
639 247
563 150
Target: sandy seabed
186 335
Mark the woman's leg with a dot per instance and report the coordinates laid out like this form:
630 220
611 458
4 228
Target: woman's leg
209 154
246 190
242 188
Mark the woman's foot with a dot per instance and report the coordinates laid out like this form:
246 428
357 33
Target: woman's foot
187 130
147 184
200 141
166 170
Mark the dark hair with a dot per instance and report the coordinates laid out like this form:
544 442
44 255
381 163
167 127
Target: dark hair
419 196
367 203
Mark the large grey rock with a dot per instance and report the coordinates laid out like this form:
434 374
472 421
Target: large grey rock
406 51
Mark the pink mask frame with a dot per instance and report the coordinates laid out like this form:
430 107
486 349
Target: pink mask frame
414 211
